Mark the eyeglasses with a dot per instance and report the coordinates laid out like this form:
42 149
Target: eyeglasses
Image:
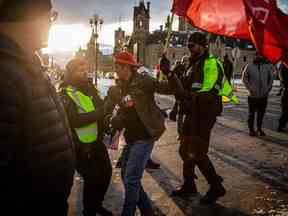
53 16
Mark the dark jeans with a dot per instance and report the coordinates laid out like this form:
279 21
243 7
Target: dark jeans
256 105
284 104
134 159
96 170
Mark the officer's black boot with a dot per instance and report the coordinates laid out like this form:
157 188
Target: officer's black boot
187 189
216 190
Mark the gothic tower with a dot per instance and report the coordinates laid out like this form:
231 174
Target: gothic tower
119 40
141 27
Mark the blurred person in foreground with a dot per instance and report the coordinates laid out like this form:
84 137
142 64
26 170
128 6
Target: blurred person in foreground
36 148
84 108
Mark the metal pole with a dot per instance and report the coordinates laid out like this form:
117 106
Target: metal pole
96 52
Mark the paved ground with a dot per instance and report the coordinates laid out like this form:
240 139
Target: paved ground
255 170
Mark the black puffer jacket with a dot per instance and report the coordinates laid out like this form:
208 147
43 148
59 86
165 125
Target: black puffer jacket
36 149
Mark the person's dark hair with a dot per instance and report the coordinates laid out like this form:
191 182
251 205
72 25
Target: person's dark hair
21 10
198 38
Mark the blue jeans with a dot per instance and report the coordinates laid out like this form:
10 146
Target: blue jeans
135 157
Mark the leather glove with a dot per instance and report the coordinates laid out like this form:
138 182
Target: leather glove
114 93
165 65
178 69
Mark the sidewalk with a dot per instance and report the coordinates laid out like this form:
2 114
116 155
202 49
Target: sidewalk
247 194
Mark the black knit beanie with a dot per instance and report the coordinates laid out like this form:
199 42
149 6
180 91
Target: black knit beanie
198 38
22 10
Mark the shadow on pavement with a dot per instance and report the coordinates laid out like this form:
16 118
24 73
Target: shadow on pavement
190 205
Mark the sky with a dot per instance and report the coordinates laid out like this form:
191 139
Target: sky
72 29
283 5
72 11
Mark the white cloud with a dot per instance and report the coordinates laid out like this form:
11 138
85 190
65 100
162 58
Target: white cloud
283 5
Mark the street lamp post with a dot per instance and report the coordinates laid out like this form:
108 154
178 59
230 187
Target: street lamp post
95 23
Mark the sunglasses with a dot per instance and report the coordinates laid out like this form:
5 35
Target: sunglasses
191 45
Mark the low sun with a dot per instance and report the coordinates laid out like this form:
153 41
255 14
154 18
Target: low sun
68 37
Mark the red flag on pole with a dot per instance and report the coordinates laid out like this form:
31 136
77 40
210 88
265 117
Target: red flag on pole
258 21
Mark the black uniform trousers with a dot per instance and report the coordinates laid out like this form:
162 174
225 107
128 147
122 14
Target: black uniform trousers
256 105
194 147
95 167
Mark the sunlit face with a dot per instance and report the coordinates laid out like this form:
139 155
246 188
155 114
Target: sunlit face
123 71
80 72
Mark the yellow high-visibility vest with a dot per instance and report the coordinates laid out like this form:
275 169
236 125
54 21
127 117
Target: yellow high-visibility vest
88 133
211 74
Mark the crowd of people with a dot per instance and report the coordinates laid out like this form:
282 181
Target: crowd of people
45 137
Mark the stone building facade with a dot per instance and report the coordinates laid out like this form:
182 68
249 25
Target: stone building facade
119 40
148 47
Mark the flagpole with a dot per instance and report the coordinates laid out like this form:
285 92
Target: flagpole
169 32
167 42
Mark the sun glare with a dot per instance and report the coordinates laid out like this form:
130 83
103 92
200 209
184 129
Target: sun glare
68 37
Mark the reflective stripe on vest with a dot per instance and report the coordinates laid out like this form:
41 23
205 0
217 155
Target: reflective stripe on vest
196 85
210 79
88 133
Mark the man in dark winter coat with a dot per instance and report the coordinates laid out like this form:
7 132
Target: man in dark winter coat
85 113
258 79
36 149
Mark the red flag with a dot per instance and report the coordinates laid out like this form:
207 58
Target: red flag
258 21
268 29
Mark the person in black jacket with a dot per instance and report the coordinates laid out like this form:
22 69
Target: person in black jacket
228 68
201 105
283 75
85 113
36 147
